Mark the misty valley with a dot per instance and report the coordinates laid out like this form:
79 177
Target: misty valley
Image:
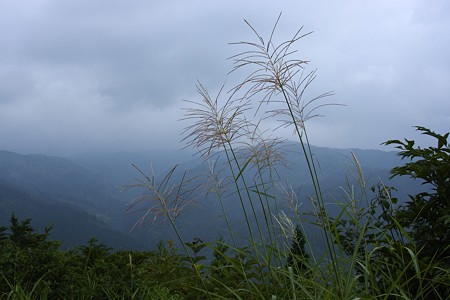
82 197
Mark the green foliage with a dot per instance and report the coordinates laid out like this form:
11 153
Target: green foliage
196 260
373 224
298 257
27 259
404 249
427 214
219 264
23 235
32 267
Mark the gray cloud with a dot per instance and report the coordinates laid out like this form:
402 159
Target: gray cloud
83 75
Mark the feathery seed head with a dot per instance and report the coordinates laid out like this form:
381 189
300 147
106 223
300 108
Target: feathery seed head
163 201
264 152
215 125
276 77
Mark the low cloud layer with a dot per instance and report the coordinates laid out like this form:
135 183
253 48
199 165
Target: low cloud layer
77 76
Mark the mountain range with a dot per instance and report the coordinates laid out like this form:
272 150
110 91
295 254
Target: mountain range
82 196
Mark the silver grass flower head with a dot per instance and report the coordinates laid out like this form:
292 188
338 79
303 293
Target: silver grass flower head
276 77
161 201
264 152
214 124
290 197
286 225
318 211
216 184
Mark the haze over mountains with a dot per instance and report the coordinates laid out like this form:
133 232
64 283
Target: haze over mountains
81 195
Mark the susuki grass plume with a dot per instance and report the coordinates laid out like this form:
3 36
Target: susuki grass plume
276 77
219 185
164 200
215 124
264 153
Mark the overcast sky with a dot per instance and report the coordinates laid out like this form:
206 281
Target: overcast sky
78 76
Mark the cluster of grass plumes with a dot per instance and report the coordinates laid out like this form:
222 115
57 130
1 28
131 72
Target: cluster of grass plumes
369 250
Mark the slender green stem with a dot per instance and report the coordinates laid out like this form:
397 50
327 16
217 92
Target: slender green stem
177 233
275 197
271 227
226 220
247 191
316 184
238 190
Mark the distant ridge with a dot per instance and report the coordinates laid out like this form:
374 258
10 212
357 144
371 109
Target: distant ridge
81 196
55 191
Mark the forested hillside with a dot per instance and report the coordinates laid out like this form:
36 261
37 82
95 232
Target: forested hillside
82 196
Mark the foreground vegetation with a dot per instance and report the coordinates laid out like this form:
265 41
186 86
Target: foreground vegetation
376 247
383 251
